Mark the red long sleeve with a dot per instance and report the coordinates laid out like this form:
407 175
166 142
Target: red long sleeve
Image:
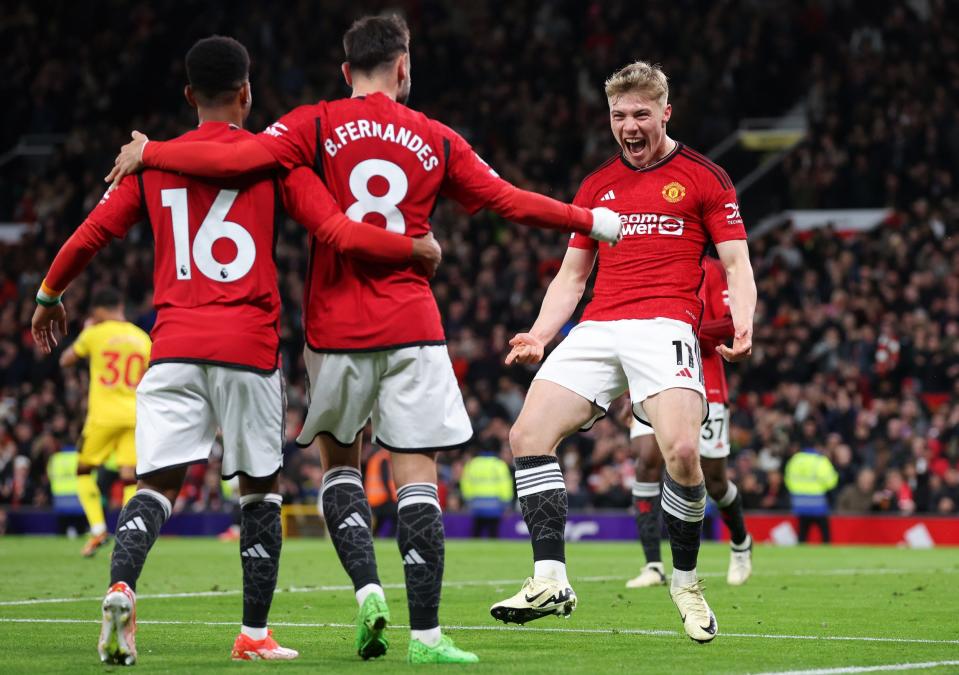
716 331
208 158
530 208
76 254
309 202
362 240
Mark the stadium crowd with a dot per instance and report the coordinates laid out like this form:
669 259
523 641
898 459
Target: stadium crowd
857 334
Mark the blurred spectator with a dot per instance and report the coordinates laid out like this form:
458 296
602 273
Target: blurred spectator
809 477
487 488
381 491
858 497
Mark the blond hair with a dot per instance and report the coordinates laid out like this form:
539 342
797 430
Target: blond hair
641 77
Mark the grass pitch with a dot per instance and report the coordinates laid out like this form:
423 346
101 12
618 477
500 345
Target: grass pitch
805 609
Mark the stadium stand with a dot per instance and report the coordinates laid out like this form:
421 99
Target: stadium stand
857 333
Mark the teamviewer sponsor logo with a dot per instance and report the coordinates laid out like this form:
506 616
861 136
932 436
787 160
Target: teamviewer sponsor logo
650 223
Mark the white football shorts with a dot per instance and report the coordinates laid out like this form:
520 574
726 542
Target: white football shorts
713 437
180 406
600 360
411 394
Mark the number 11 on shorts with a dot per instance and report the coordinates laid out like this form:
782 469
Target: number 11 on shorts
679 344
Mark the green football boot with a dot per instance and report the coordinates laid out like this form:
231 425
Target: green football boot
444 652
371 622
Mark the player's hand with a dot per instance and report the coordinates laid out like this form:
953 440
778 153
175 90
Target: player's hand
606 226
45 324
130 159
427 254
526 349
742 346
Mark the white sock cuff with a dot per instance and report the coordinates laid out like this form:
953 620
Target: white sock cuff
417 493
641 490
539 479
729 497
271 497
164 502
684 502
341 475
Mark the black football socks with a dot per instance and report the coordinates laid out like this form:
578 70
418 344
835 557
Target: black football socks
261 539
348 519
422 543
137 529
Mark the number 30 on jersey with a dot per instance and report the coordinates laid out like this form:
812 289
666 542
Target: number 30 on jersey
214 226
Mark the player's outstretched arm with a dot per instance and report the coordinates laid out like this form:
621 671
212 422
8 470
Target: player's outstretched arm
117 212
564 293
531 208
197 158
309 202
471 182
734 254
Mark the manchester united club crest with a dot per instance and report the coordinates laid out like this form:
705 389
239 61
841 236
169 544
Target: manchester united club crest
674 192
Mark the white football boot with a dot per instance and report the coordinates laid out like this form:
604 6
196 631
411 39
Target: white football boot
537 598
652 575
740 563
117 644
698 619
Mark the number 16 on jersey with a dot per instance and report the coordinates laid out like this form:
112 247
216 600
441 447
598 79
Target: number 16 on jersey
214 227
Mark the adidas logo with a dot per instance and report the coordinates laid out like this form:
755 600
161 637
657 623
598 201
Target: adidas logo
255 552
135 523
684 372
609 196
413 558
353 520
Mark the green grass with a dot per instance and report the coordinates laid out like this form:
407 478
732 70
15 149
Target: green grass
816 592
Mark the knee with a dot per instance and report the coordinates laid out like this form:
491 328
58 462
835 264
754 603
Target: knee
716 487
685 454
521 440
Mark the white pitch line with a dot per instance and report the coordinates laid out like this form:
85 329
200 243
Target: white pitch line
457 584
305 589
867 669
523 629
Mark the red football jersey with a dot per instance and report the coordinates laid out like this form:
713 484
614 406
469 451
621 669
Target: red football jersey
715 296
385 164
670 211
214 277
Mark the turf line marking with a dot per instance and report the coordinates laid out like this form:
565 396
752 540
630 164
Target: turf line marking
497 628
867 669
454 584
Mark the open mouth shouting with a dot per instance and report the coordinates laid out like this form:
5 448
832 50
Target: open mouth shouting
635 148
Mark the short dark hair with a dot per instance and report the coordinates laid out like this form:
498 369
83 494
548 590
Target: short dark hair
373 41
216 67
106 298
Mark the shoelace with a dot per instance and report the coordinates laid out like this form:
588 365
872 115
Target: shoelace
697 606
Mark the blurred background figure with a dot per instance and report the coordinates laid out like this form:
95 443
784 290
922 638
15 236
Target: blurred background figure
809 478
381 492
487 488
858 497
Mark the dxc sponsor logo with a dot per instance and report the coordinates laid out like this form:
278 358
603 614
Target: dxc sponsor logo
650 223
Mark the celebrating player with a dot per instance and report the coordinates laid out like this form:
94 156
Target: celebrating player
118 352
637 333
716 326
377 332
216 340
